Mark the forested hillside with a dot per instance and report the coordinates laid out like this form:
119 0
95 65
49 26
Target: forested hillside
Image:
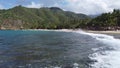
106 21
21 17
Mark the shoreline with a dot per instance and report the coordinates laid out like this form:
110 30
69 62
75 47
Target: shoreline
89 31
70 30
104 32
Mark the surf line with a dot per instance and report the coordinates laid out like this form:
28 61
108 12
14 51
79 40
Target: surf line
110 59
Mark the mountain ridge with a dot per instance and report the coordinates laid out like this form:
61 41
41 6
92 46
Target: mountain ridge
42 18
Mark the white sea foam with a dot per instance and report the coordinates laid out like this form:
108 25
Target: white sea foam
58 30
106 59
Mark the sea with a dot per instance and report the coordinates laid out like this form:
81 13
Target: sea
58 49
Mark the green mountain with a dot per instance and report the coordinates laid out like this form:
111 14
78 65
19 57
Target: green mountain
21 17
106 21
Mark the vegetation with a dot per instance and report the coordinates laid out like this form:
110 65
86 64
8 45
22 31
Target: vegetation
21 17
43 18
106 21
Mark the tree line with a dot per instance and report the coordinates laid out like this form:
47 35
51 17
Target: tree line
21 17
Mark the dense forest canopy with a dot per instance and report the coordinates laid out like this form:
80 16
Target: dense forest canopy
106 21
43 18
21 17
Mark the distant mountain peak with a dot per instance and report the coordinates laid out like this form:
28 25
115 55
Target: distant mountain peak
56 8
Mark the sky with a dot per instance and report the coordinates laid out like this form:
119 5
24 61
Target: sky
89 7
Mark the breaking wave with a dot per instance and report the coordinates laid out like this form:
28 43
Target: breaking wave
105 58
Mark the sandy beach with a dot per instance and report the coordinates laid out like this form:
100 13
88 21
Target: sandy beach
72 30
105 32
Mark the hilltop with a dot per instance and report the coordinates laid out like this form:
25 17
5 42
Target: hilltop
20 17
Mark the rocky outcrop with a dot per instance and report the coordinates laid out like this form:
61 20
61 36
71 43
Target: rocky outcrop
12 24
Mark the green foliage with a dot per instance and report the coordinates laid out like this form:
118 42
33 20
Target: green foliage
44 18
107 21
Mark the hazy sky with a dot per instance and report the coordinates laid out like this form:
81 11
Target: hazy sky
78 6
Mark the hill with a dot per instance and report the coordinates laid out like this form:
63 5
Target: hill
106 21
21 17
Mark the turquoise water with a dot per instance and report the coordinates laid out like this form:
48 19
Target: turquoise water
48 49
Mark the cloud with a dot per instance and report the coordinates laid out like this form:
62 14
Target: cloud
34 5
74 0
91 6
79 6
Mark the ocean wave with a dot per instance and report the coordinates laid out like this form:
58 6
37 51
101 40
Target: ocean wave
108 58
104 58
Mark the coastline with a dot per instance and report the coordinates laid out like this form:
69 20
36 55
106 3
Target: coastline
70 30
89 31
104 32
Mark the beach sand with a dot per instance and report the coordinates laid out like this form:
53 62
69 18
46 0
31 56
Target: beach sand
71 30
104 32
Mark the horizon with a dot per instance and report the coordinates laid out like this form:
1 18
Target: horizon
88 7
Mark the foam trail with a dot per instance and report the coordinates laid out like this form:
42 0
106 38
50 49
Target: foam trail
105 59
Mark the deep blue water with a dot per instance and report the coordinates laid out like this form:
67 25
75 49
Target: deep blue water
50 49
